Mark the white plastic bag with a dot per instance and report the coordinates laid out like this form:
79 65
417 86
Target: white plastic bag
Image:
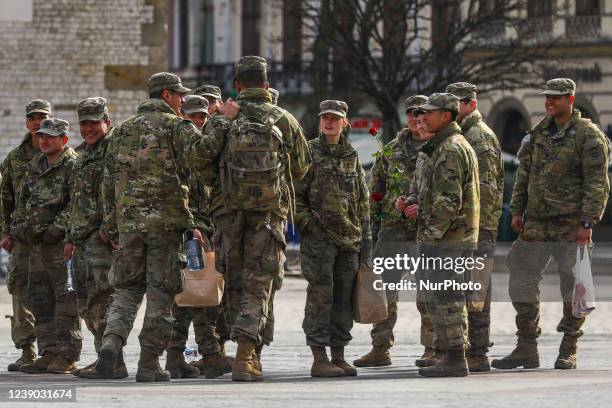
583 299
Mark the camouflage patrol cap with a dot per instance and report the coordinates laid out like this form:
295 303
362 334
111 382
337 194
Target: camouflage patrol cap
560 86
194 104
38 106
250 63
274 94
166 80
338 108
92 109
462 90
437 101
54 127
414 101
211 91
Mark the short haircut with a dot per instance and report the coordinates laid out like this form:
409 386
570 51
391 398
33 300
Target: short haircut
252 79
453 115
156 94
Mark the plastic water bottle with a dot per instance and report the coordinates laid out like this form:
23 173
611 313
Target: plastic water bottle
195 262
190 353
69 284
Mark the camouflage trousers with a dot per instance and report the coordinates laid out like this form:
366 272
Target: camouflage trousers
22 319
539 242
56 315
204 327
249 253
391 242
148 264
330 272
446 307
91 263
479 322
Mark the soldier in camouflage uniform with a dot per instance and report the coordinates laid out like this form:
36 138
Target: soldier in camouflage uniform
448 215
333 214
146 213
13 171
392 232
560 192
491 175
91 250
250 220
42 220
212 94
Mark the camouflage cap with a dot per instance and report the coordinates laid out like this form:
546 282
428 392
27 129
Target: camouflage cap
441 101
462 90
211 91
194 104
54 127
166 80
414 101
274 94
92 109
560 86
38 106
338 108
250 63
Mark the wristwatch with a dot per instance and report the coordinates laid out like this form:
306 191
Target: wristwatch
586 224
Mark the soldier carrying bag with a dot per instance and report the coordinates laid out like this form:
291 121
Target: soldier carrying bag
203 287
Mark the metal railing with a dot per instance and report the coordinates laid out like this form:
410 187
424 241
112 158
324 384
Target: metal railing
583 28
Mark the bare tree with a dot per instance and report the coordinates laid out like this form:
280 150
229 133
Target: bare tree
383 50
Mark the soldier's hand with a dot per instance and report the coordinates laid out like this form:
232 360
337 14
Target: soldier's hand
401 203
411 211
517 223
103 236
584 235
7 243
68 250
229 109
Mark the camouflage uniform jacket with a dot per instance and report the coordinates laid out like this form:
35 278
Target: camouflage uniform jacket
199 196
86 210
14 168
449 204
490 168
146 161
390 176
45 198
562 173
334 195
258 102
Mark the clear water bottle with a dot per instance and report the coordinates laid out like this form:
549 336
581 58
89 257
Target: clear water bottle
190 353
193 250
69 284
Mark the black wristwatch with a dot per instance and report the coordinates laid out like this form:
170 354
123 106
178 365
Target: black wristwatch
586 224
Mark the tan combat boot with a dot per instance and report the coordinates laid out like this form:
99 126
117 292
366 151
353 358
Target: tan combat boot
524 355
108 355
453 364
377 357
337 354
28 355
428 358
149 369
321 367
567 353
478 363
257 357
87 367
178 367
39 366
243 369
62 365
90 371
214 365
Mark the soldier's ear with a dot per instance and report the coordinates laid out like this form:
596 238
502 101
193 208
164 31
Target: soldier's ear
571 98
64 140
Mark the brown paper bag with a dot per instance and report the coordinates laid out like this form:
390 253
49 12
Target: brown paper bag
369 304
476 298
203 288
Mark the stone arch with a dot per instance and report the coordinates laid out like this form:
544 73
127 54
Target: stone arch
510 120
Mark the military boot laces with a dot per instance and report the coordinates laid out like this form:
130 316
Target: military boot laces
214 365
178 367
337 354
524 355
321 366
427 359
377 357
108 355
28 355
149 369
567 354
243 369
453 364
39 366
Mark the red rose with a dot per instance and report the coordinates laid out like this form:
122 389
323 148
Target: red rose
377 196
373 131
